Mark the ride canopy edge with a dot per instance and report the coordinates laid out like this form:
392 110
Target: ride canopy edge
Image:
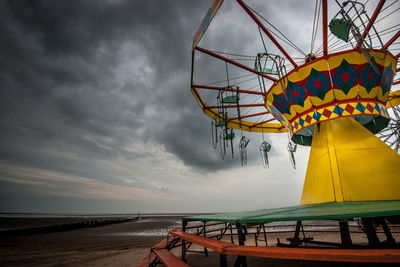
324 211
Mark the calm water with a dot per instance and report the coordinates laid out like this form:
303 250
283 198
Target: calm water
158 224
9 221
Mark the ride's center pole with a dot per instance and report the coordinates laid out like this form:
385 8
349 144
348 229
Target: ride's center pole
325 26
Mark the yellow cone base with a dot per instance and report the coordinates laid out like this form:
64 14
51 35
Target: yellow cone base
348 163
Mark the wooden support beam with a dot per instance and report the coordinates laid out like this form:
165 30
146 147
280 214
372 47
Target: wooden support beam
169 259
146 260
223 260
345 234
183 256
314 254
370 231
241 260
204 234
295 241
390 241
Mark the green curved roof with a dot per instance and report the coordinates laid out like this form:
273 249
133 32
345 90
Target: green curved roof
325 211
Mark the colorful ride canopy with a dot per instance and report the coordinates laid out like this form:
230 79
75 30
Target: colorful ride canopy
282 88
334 97
338 85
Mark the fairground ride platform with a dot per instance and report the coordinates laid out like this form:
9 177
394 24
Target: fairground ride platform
324 211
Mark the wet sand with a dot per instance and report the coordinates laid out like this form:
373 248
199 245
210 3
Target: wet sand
125 244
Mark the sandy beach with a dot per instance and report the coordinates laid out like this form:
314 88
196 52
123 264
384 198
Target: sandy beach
124 244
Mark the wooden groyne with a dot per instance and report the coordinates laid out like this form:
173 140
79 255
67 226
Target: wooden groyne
62 227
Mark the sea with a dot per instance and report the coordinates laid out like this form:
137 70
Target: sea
159 223
162 222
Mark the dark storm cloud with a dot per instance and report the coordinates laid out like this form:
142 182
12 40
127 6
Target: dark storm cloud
96 111
80 80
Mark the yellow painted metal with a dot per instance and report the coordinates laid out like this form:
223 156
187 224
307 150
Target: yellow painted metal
326 64
245 125
393 100
306 109
337 183
206 21
348 163
318 184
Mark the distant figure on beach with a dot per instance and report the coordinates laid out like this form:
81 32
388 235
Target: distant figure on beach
138 216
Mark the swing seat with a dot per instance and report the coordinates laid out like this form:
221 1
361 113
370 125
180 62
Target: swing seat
340 28
223 123
267 71
294 148
229 136
267 148
246 143
230 99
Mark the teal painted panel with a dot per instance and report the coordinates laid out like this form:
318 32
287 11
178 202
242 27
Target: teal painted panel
325 211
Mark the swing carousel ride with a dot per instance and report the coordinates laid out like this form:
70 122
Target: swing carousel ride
340 97
334 98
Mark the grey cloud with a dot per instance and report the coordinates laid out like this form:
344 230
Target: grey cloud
81 82
64 104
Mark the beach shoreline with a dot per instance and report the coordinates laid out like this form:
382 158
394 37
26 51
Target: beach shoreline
126 244
120 244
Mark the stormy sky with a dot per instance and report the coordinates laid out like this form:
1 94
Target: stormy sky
96 113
